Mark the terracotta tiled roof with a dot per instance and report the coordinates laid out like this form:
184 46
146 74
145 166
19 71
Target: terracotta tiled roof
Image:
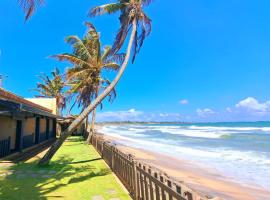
13 97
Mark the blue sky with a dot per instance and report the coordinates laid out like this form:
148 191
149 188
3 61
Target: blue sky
204 61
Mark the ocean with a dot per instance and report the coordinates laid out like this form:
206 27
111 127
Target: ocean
238 151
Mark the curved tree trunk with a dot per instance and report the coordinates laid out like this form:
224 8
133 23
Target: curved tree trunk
91 132
86 123
50 153
93 120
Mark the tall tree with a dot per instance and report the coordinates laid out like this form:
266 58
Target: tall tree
30 6
53 88
131 17
89 61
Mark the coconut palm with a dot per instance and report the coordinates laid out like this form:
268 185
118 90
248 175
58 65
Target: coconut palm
131 17
88 61
131 12
30 6
53 88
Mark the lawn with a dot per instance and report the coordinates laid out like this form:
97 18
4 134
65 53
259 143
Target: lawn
76 172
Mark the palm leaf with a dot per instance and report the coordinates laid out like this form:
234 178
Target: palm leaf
106 9
71 58
29 6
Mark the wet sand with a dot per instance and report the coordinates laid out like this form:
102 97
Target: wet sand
196 176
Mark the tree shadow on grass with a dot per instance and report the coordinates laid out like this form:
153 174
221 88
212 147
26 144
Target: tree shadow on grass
75 139
29 181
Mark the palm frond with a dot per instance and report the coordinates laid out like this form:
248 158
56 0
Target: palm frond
78 46
71 58
29 6
111 66
106 9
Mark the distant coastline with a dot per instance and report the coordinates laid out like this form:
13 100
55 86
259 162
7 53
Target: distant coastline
178 122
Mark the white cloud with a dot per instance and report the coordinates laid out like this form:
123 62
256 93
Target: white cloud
183 101
253 106
131 114
132 110
134 115
228 109
204 112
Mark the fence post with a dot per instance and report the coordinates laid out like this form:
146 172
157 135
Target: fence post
96 142
102 147
136 192
112 158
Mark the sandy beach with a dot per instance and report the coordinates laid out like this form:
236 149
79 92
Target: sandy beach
195 175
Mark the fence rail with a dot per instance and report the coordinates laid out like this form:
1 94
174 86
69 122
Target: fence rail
143 181
4 147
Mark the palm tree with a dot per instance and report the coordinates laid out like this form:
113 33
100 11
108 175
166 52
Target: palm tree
30 6
53 88
131 16
88 60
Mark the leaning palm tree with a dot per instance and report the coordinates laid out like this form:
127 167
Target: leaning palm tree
30 6
131 16
53 88
89 61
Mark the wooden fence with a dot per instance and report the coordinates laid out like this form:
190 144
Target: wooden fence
4 147
144 182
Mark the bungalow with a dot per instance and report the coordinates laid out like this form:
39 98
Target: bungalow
24 123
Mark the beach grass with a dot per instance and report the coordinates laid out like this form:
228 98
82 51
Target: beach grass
76 172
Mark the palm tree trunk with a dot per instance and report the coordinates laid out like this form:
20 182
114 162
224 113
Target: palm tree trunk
91 132
86 123
50 153
93 120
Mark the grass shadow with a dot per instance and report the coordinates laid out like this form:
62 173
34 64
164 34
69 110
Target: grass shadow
29 181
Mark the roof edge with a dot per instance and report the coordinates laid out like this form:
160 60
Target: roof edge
19 99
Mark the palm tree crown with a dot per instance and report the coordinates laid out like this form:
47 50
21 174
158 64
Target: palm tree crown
53 88
129 10
88 60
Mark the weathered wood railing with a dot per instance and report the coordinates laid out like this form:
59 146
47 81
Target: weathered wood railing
144 182
4 147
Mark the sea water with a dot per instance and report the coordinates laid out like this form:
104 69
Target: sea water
238 151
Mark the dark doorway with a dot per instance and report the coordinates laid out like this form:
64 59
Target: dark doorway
18 143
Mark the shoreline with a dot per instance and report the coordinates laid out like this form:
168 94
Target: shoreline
194 175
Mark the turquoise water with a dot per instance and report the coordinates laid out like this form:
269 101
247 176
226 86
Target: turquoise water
239 151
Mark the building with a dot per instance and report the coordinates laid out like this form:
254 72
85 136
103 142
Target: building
25 123
66 122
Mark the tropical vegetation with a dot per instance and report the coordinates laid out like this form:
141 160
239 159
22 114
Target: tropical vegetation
89 61
53 88
132 18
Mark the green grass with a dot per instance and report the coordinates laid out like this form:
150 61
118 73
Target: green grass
77 172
